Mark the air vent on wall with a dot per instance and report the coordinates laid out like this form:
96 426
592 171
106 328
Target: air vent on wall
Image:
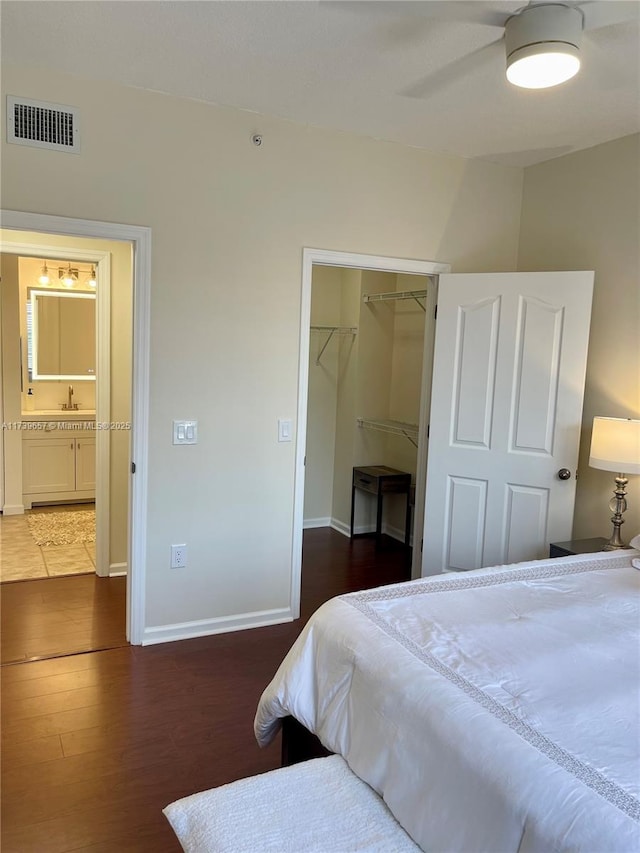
42 125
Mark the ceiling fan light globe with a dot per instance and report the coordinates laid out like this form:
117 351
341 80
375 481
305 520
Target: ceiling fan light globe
543 65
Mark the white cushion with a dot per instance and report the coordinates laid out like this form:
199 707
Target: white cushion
317 806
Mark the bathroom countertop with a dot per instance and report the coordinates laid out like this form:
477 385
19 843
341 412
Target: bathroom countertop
60 415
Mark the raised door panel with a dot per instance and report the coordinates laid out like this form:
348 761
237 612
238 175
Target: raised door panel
85 464
526 509
48 465
475 366
535 387
466 503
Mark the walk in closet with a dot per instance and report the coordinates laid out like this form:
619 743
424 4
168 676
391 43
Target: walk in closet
367 340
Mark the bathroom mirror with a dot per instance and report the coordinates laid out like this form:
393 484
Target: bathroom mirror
62 335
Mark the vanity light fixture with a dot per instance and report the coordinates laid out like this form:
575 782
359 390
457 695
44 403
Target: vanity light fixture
91 281
44 279
68 277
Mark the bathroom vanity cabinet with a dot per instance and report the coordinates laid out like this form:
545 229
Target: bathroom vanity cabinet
58 465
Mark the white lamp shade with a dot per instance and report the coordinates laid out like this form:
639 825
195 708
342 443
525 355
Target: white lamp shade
615 445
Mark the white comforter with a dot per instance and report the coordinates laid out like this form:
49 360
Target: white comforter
494 711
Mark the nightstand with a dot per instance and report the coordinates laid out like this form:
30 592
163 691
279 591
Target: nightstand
577 546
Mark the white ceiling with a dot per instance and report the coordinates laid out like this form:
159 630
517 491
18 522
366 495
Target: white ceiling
347 66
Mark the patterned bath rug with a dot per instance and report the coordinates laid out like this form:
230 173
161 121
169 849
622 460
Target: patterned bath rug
63 528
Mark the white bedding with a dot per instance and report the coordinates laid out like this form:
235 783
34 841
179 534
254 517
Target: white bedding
494 711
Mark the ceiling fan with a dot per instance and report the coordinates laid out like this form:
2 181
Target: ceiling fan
541 40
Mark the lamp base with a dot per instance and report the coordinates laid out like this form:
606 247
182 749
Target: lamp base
612 546
617 505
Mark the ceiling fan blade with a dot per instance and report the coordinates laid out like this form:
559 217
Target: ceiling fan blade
465 11
598 13
455 71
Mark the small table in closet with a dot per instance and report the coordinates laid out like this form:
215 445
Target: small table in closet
380 480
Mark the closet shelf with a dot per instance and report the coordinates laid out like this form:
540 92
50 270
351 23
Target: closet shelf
409 431
394 295
330 331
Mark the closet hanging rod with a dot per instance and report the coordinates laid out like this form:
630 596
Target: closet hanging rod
409 431
339 330
394 295
332 330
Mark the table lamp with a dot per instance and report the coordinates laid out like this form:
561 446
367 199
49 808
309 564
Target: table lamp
615 446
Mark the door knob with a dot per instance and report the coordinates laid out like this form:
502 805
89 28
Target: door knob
564 473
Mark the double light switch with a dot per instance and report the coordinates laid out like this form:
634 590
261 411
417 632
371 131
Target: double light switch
185 432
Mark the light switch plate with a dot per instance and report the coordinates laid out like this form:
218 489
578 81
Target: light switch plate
185 432
284 429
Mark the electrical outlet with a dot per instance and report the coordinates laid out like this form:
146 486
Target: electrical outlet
178 556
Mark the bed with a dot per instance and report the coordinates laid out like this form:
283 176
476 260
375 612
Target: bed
493 711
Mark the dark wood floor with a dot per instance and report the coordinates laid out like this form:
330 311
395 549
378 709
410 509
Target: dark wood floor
61 616
95 745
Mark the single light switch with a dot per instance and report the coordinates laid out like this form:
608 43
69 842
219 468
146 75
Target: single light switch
284 429
185 432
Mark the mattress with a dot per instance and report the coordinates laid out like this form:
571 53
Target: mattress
493 711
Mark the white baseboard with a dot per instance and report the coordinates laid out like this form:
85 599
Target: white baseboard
345 529
13 509
341 527
312 523
220 625
117 570
396 533
336 524
387 529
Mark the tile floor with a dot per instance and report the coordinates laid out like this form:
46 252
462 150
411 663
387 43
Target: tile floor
22 559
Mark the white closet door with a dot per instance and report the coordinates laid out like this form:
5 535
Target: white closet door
506 407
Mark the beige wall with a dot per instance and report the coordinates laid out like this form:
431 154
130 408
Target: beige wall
347 400
406 381
581 212
121 339
229 222
326 290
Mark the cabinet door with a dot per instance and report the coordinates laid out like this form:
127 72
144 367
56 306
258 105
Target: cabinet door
48 465
85 464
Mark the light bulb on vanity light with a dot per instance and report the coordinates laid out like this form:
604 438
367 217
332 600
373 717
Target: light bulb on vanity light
91 281
68 277
44 279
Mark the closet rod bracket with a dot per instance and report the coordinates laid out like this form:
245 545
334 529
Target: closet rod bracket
331 331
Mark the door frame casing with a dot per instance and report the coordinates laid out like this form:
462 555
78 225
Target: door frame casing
349 260
139 237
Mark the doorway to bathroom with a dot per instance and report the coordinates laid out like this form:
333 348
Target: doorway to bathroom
64 530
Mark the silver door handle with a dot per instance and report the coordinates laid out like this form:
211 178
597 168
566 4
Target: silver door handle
564 474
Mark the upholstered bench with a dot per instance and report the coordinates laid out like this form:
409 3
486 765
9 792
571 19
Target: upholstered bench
318 806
